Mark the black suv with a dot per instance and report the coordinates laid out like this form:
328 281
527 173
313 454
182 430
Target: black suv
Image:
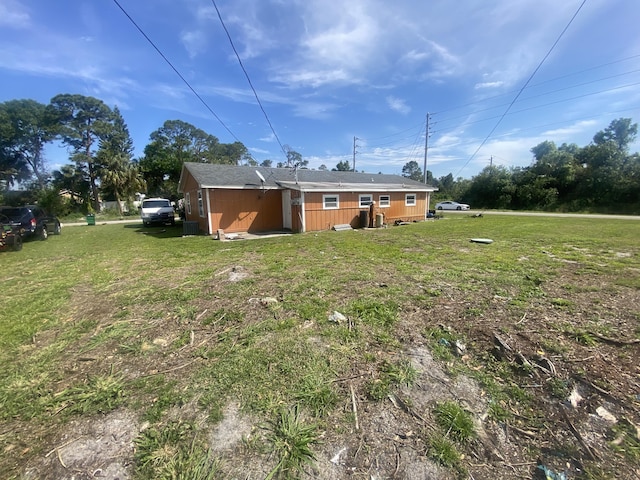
32 221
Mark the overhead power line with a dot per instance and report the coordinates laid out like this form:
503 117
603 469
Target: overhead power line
620 87
569 87
580 72
176 71
524 86
249 79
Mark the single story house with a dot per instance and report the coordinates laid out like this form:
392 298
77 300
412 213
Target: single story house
259 199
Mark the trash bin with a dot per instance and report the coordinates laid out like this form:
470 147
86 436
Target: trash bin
91 219
364 218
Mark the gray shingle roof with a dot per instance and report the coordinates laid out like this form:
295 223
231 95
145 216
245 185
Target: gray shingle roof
231 176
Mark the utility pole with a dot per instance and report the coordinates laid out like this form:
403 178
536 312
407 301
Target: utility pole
426 147
354 152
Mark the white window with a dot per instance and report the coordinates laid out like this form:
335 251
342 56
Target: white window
365 200
384 201
410 200
187 200
330 202
200 205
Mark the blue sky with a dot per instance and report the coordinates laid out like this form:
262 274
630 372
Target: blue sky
327 71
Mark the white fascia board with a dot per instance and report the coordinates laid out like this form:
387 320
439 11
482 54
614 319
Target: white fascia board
355 187
240 187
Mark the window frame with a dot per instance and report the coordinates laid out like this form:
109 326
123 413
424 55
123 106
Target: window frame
200 203
367 204
325 202
408 203
382 204
187 200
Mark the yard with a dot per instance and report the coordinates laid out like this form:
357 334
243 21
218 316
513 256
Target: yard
407 352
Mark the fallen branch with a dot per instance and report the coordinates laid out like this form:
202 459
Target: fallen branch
354 406
575 432
171 369
62 446
526 433
60 459
615 341
398 402
344 379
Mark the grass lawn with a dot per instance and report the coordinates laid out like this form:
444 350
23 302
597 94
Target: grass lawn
143 354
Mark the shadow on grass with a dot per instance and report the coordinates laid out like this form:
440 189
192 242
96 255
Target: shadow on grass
159 231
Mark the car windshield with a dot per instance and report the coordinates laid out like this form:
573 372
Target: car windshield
13 213
155 203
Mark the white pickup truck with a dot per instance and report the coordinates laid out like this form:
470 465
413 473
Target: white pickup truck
157 210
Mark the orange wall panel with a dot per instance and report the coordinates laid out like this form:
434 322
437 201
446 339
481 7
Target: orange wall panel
246 210
349 212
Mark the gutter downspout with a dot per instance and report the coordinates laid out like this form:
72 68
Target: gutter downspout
303 218
426 206
210 225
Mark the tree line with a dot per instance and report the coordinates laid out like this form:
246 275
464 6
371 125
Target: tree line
101 163
602 176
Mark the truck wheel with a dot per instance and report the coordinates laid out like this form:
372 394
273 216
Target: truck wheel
16 246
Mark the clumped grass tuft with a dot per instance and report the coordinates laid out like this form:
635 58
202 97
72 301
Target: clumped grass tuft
173 453
454 421
99 394
317 394
444 452
399 373
391 376
291 440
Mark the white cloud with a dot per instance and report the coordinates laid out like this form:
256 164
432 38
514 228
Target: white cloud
572 130
479 86
14 15
259 150
194 42
398 105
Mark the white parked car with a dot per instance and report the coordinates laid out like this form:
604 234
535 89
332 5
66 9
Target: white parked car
157 210
452 206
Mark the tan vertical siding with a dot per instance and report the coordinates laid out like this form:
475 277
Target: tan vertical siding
191 187
246 210
349 212
240 210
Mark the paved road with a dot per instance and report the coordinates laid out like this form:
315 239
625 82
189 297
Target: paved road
102 222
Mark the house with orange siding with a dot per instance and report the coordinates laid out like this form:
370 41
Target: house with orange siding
260 199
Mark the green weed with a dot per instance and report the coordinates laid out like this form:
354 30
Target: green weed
317 394
291 441
172 452
373 312
454 421
626 442
444 452
390 376
99 394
